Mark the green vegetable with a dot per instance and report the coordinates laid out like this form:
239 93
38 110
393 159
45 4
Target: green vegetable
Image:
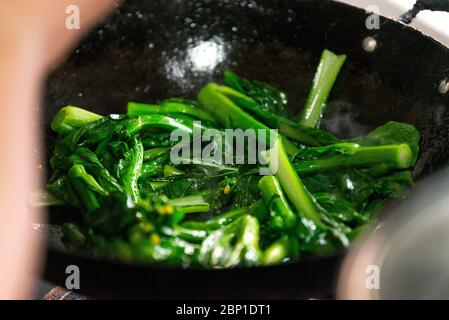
79 173
267 97
294 188
71 118
155 153
131 168
282 217
325 77
393 133
235 244
191 204
87 197
231 116
276 253
289 128
309 194
167 108
395 157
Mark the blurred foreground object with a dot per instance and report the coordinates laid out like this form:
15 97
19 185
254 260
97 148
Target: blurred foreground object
407 256
34 38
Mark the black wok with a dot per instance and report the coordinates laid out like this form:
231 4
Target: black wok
155 49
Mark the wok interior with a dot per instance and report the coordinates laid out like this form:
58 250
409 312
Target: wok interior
151 50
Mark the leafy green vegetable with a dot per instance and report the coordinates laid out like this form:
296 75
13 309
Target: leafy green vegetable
393 133
303 193
231 116
267 97
235 244
307 136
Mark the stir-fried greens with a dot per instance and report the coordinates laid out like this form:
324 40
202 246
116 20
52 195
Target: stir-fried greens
137 204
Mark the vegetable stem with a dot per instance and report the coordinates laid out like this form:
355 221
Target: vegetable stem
276 253
191 204
71 118
325 77
79 172
285 126
231 115
167 108
140 123
396 157
133 170
88 199
155 153
277 203
292 185
217 221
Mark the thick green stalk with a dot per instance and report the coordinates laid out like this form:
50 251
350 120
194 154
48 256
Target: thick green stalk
167 108
191 204
155 153
170 171
229 114
325 77
232 116
217 221
140 123
276 253
292 185
277 203
289 146
286 127
395 157
71 118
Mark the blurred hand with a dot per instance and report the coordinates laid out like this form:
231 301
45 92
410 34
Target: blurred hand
33 39
38 27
